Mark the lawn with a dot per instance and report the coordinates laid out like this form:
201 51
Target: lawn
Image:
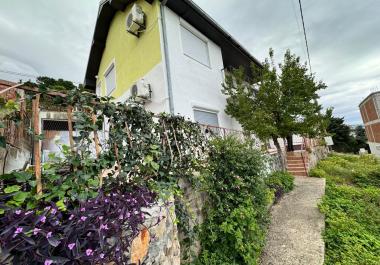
352 209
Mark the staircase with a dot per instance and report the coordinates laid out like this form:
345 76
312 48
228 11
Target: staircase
298 163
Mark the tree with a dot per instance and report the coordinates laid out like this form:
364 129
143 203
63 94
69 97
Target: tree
341 134
361 138
276 104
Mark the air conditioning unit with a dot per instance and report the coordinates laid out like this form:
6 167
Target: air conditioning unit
136 20
141 92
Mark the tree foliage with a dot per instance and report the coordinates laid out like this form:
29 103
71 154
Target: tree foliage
346 140
278 102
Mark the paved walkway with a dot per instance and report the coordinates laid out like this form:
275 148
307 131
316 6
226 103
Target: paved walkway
294 236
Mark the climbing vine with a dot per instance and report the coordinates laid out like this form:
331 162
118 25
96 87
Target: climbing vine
117 152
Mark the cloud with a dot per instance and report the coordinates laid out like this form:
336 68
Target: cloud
53 38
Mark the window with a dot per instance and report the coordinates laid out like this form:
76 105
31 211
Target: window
194 47
99 89
110 77
206 117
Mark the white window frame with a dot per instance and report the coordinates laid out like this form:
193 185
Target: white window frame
98 89
197 34
211 111
111 66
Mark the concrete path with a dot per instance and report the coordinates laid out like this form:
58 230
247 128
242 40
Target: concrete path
294 236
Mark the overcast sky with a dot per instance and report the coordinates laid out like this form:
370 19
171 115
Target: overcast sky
53 37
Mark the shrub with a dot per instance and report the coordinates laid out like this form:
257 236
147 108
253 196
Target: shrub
99 231
236 213
281 182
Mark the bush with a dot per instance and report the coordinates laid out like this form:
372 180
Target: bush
281 182
94 233
236 214
351 207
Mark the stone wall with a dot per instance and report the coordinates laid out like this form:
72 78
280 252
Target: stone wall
317 153
159 244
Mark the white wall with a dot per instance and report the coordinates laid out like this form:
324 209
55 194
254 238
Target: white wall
375 148
156 79
194 84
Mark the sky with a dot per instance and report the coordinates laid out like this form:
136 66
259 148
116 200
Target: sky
53 38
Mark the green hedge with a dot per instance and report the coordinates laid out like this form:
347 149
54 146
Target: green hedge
237 210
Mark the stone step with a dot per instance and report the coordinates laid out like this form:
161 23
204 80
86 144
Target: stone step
296 162
296 168
299 173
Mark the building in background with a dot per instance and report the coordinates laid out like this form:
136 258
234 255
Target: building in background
370 111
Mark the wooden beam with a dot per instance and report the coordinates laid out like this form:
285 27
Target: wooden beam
70 127
96 138
11 87
37 142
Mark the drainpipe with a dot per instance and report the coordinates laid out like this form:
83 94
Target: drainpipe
166 55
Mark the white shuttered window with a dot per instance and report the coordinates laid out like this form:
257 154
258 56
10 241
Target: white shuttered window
110 77
194 47
206 117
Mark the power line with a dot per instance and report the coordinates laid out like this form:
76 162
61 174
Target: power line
300 33
304 33
17 73
27 75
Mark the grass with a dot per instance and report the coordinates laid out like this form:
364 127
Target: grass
352 209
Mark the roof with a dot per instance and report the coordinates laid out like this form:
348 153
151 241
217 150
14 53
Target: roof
368 97
234 54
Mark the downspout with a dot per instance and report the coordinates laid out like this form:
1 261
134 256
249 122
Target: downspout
166 55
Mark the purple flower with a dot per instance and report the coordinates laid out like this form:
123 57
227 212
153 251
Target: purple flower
106 200
71 217
18 212
82 209
18 231
105 227
101 255
28 212
121 217
43 219
136 212
128 215
54 211
100 217
89 252
49 235
71 246
48 262
83 218
36 230
142 215
47 208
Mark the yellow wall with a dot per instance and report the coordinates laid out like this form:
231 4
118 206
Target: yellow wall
134 57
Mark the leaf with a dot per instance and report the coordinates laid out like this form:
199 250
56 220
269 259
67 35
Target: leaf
2 211
20 196
61 205
53 241
12 189
155 165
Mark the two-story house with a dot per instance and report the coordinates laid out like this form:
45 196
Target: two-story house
169 53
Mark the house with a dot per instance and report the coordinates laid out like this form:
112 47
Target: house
169 54
370 112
